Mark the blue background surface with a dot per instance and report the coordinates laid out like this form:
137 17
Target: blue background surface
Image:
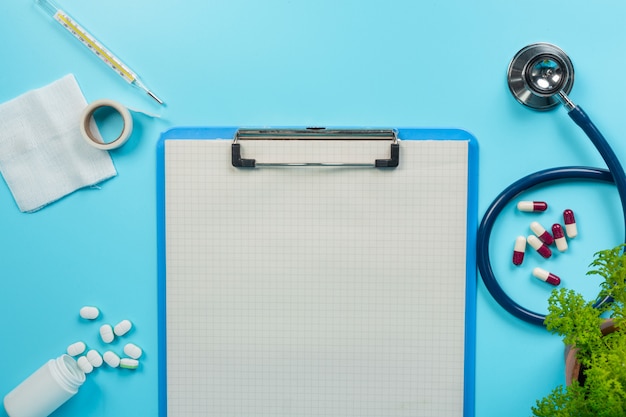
301 63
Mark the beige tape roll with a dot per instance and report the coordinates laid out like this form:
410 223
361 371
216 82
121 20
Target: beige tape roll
85 124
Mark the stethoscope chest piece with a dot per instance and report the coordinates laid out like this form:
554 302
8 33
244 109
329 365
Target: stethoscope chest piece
538 73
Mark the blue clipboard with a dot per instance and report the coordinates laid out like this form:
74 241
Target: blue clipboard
312 282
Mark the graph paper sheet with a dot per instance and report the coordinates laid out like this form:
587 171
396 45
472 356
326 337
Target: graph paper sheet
316 291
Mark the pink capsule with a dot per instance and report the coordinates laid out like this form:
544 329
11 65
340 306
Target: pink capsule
541 233
532 206
559 237
518 250
570 223
546 276
539 246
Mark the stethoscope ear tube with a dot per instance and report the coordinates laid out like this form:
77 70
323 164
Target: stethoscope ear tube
494 210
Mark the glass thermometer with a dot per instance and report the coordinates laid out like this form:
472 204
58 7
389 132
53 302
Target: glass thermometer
94 46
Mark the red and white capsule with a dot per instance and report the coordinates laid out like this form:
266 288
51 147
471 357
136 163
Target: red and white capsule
518 250
546 276
541 233
539 246
559 237
532 206
570 223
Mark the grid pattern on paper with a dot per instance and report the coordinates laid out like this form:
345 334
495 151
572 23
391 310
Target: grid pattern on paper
315 291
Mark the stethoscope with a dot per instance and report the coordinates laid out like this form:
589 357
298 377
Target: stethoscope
540 76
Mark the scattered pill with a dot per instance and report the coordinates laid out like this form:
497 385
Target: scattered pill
539 246
76 349
84 364
546 276
532 206
122 327
133 350
570 223
541 233
129 363
559 237
518 250
94 358
106 333
89 312
111 359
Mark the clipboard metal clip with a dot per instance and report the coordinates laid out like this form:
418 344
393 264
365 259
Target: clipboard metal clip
316 134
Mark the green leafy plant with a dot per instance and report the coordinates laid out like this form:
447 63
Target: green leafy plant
600 390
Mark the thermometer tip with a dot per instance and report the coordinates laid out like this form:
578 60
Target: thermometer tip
158 100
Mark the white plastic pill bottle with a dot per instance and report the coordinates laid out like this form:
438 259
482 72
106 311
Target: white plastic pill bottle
46 389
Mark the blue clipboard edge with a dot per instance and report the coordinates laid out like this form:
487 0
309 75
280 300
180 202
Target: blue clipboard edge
182 133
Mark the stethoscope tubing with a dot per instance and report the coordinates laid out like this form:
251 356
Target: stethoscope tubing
489 219
578 115
614 174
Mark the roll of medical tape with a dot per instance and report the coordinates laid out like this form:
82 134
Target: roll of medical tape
90 137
